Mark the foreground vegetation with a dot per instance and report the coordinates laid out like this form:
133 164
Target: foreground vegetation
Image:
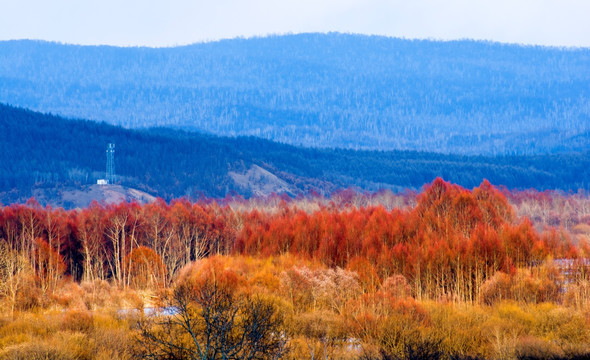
448 273
319 312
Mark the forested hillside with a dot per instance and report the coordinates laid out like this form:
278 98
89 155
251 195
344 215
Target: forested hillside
40 151
321 90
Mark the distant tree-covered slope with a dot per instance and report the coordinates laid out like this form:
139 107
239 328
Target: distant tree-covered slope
38 151
320 90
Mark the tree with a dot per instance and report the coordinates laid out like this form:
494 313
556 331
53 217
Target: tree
50 266
90 232
210 321
146 270
14 269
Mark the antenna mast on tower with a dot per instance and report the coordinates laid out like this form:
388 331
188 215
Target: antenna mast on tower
110 176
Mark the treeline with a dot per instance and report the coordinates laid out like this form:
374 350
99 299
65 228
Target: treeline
447 246
320 90
445 274
555 209
44 151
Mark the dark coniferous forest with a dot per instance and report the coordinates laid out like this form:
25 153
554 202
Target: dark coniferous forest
321 90
41 150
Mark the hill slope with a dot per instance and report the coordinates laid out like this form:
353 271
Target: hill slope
81 196
320 90
40 151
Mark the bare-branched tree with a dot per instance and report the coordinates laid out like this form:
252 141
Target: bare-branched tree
209 321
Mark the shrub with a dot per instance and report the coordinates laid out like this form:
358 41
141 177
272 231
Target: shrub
34 351
495 289
78 321
211 314
530 348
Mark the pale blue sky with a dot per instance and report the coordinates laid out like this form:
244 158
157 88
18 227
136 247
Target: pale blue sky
177 22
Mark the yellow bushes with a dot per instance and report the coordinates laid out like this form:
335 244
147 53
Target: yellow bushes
328 313
578 295
65 335
536 285
515 329
319 334
507 330
461 329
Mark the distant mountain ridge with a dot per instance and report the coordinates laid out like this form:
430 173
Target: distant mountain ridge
58 160
320 90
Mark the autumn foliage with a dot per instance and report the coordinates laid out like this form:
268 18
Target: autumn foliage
373 275
447 246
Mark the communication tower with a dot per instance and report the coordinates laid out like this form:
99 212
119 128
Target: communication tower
110 163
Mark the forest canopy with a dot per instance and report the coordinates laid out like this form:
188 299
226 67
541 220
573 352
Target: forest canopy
320 90
47 151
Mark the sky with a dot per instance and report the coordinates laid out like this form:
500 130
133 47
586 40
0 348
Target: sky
178 22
